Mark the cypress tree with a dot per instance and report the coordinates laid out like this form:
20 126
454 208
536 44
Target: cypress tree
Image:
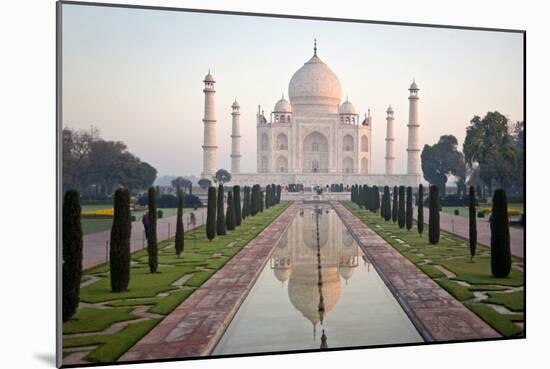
279 189
433 224
401 206
366 193
376 198
246 208
473 223
220 216
409 209
387 204
243 212
72 253
119 252
420 215
237 205
383 205
230 212
179 241
395 205
152 250
211 214
267 196
254 199
261 202
501 257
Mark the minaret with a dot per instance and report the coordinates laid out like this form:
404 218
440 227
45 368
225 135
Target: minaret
413 148
209 147
389 141
235 139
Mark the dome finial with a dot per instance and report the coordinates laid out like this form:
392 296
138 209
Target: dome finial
314 47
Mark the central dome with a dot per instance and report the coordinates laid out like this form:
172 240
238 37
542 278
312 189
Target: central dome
315 88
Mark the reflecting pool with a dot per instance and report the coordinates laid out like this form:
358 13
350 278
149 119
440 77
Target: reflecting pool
317 290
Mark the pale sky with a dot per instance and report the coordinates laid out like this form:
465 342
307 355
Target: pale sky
137 76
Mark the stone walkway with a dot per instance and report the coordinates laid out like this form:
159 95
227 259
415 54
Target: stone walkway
95 249
195 327
460 226
436 314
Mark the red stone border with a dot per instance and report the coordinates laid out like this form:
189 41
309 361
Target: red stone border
436 314
195 327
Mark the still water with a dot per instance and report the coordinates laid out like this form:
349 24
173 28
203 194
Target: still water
317 290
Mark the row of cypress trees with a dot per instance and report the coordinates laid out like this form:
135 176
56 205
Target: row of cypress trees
366 196
218 222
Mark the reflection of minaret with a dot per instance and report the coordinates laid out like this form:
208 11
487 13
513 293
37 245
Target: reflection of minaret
413 148
235 139
209 147
324 344
389 141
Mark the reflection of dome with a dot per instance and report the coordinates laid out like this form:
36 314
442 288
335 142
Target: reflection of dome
347 108
282 274
346 272
303 291
347 238
282 106
309 230
314 84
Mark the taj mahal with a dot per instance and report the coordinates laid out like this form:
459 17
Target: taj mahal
313 138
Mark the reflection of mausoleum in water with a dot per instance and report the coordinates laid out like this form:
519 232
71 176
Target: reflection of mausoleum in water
295 261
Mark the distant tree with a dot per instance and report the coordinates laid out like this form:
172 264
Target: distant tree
152 250
401 205
182 183
409 209
179 241
220 217
279 190
119 253
72 253
473 223
204 183
420 215
211 214
223 176
501 257
237 204
490 145
230 212
395 205
433 225
441 160
367 197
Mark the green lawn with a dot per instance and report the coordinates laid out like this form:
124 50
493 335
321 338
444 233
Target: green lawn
452 253
90 226
157 292
463 210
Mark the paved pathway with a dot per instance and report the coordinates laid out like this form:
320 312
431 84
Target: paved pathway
436 314
195 327
95 246
459 225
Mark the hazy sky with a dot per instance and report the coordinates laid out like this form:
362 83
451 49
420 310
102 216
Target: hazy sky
137 76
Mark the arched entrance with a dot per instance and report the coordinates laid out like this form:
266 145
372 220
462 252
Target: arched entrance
315 153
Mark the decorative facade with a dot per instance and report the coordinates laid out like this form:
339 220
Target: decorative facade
314 138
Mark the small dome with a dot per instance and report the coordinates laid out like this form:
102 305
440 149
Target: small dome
346 271
209 78
282 274
414 86
235 104
347 108
390 110
282 106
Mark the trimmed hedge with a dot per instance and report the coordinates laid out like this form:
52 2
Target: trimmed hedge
119 252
